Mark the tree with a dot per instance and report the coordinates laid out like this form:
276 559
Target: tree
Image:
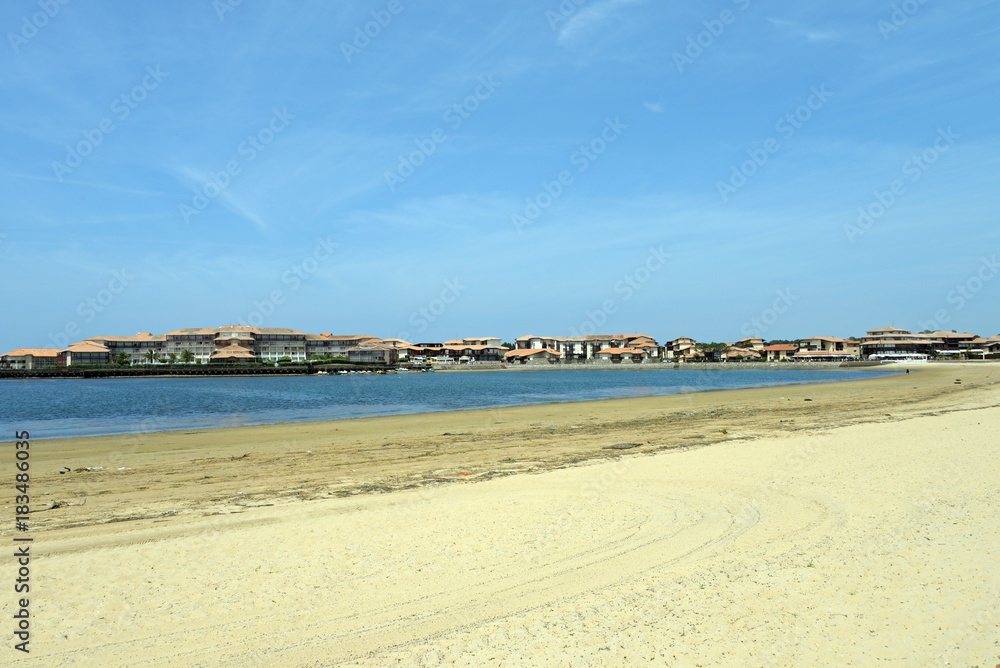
121 359
187 356
507 344
173 358
152 356
712 350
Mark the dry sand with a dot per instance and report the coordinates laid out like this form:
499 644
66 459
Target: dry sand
747 527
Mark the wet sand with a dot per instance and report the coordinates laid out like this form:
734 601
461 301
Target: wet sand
830 524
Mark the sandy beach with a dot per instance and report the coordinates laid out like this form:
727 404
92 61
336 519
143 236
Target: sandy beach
850 523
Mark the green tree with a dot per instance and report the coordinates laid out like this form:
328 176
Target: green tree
172 357
152 356
187 356
121 359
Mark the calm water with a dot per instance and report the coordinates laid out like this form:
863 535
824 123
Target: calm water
93 407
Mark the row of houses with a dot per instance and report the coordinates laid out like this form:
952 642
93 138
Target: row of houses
886 343
242 343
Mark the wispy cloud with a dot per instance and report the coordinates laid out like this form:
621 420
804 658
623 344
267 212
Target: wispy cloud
88 184
197 181
802 32
655 107
588 18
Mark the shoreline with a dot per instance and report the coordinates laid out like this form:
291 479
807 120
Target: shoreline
883 373
193 472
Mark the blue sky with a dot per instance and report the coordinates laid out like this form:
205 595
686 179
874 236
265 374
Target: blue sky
499 169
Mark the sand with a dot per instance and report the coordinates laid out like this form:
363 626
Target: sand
748 527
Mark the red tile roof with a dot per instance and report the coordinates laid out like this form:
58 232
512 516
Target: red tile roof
528 352
35 352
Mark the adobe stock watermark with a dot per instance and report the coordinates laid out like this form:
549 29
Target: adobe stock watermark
913 169
787 125
566 9
223 7
293 278
625 288
30 25
759 324
700 41
435 308
364 34
963 293
248 150
425 147
901 14
121 107
91 306
581 158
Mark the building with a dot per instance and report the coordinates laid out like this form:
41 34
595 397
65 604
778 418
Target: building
449 352
896 343
483 341
85 352
780 352
619 355
954 344
203 345
983 348
532 356
269 344
470 354
30 358
586 348
754 342
143 348
828 349
381 353
738 354
328 345
682 349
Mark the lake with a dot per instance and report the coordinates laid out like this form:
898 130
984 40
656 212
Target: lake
59 408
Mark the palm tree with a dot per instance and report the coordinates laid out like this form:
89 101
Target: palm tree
187 356
172 357
121 359
152 356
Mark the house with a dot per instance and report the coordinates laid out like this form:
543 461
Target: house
30 358
585 348
483 341
981 348
466 354
373 352
650 349
753 342
737 354
827 349
780 352
619 355
682 349
532 356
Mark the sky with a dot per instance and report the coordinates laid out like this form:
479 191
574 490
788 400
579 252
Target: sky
431 171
